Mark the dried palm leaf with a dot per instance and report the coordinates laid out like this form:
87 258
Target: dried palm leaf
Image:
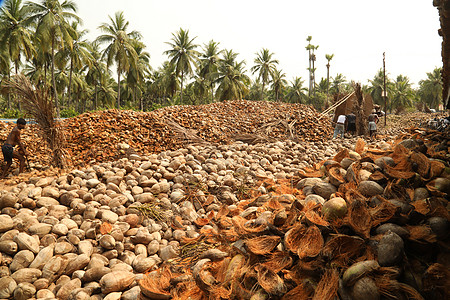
39 106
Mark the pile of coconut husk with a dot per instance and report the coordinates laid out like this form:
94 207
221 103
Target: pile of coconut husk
368 224
95 137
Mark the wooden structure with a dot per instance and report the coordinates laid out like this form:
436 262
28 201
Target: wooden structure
347 106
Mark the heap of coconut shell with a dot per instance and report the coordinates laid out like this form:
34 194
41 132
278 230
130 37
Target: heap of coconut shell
368 224
235 221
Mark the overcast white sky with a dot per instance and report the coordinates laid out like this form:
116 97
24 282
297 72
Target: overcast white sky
357 32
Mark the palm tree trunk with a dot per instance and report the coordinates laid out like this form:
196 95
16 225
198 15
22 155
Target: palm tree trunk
9 94
328 83
182 77
262 91
118 83
95 99
212 93
53 79
69 90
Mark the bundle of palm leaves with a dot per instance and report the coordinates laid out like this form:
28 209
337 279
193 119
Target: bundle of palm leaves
37 104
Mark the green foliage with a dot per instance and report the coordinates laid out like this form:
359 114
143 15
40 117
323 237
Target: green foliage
68 112
12 113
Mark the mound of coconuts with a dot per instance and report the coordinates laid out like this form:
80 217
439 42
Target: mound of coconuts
233 222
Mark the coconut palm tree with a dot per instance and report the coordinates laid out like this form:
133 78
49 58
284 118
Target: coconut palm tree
209 62
96 70
338 81
430 89
402 94
52 28
14 31
296 91
15 35
138 72
119 47
265 66
278 83
169 82
231 78
183 55
329 57
80 55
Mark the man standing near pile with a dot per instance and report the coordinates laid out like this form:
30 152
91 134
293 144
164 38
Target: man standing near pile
12 140
373 120
340 126
351 123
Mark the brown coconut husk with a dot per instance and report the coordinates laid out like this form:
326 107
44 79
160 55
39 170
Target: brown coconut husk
353 172
359 218
328 285
421 234
399 172
188 290
378 176
243 226
155 284
436 280
235 268
436 169
270 281
336 176
223 211
422 162
352 194
396 190
219 292
393 289
311 213
341 155
315 218
359 147
341 248
301 291
273 205
262 245
293 237
311 243
278 261
382 212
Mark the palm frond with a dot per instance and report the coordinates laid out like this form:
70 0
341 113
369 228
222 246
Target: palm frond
39 106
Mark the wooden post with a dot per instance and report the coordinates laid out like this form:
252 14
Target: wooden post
384 89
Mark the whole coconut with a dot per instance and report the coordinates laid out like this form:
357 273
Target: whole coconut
366 289
334 208
390 249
